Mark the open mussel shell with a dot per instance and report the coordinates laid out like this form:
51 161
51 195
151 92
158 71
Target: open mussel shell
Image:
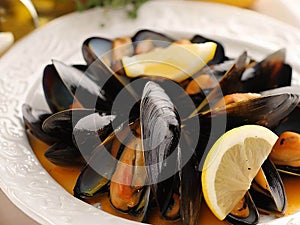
230 83
96 47
140 212
111 85
90 182
108 52
291 122
267 190
267 111
96 175
129 177
67 87
204 81
146 40
160 127
54 88
33 119
247 214
272 110
272 72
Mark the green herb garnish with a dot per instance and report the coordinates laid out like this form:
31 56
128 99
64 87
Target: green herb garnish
133 5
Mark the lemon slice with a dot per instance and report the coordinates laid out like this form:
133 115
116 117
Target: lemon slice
231 165
176 62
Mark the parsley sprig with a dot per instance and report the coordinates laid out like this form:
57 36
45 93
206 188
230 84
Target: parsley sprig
133 5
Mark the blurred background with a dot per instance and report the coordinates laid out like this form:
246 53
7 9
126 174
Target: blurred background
17 17
20 17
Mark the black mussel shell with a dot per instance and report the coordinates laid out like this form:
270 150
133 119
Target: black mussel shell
192 149
97 48
95 176
273 198
64 154
160 125
33 119
61 124
268 111
91 130
220 52
270 73
80 67
151 39
190 192
206 80
109 52
251 219
54 88
290 123
67 87
90 182
181 100
140 212
111 84
229 84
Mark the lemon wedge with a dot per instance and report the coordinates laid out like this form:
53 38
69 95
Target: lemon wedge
231 165
176 62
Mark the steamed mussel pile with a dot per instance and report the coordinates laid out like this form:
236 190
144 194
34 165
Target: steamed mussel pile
142 143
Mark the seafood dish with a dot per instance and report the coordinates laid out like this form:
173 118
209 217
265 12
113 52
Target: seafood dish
137 120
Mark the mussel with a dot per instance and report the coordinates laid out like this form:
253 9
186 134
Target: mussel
267 189
79 92
285 153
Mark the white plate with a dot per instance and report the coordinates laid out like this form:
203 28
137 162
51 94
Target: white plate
22 178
